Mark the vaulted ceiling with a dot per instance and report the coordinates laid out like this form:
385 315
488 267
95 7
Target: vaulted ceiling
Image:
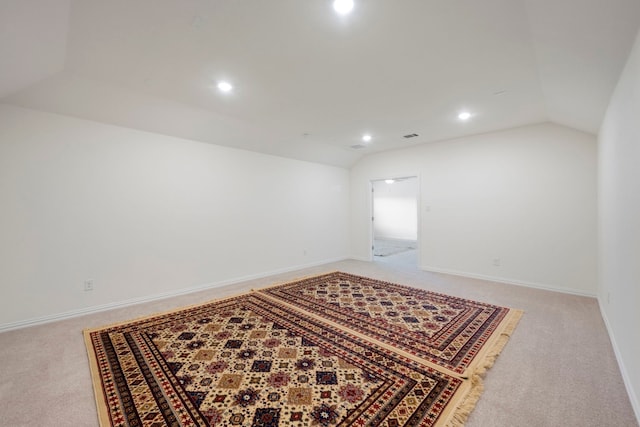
308 83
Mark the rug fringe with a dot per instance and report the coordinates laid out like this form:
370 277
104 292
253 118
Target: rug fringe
462 412
455 418
497 347
464 409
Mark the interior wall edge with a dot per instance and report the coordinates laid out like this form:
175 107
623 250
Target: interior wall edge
155 297
626 378
360 258
541 286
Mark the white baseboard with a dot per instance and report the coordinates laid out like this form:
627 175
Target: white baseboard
633 397
360 258
119 304
509 281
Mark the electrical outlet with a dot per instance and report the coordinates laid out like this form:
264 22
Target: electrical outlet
88 285
496 262
608 297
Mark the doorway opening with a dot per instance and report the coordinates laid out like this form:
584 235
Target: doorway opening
395 220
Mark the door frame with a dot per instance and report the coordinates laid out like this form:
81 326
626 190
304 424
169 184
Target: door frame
418 213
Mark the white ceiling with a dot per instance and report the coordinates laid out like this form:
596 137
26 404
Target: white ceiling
308 83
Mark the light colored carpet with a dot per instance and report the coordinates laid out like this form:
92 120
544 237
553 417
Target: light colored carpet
387 247
557 370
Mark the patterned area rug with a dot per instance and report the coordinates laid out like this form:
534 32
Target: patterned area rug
450 332
255 360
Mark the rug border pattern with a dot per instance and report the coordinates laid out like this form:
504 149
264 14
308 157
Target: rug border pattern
454 413
470 355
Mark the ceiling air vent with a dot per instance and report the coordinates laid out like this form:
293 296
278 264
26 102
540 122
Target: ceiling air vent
411 135
358 146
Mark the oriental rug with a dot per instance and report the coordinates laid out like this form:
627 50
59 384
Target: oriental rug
454 333
254 360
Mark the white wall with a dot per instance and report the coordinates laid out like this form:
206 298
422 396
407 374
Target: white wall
395 209
526 196
619 222
143 214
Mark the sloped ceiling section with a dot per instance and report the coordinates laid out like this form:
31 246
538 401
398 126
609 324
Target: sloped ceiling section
33 41
581 48
309 83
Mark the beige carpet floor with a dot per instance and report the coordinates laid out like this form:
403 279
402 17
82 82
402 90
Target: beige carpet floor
387 247
558 369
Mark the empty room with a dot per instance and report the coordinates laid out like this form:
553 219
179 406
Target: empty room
320 213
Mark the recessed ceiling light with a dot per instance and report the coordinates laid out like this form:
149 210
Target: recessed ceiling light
343 6
366 138
389 181
224 86
465 115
